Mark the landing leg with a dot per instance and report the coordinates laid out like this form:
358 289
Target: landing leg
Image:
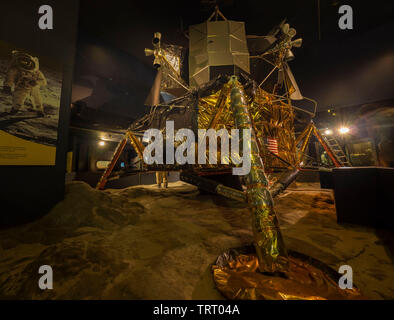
115 157
268 240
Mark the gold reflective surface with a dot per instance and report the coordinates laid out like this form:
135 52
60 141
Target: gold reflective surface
241 280
270 118
268 240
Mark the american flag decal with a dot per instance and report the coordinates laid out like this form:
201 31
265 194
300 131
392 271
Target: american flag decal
271 144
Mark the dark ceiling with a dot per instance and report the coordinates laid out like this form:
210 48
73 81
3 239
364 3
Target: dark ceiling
341 68
129 25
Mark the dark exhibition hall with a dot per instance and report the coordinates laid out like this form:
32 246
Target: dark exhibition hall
180 151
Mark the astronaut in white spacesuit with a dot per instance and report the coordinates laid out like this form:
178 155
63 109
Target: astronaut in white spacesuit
24 76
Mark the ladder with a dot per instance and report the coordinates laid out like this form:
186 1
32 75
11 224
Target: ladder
337 150
329 144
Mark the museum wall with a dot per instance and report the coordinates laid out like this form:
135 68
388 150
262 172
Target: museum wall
29 191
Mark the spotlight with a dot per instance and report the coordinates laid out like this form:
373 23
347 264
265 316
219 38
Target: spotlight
344 130
328 132
101 143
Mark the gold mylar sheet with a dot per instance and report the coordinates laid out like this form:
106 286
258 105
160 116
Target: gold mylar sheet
270 117
241 280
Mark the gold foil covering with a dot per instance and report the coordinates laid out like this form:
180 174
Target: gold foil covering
241 280
270 118
268 240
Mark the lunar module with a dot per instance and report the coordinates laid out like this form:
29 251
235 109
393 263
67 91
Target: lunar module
230 80
193 90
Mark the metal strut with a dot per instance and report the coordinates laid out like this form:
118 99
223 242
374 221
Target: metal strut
137 145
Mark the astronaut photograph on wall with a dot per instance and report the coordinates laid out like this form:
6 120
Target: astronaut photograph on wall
30 91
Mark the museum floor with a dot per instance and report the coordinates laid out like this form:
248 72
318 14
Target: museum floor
146 243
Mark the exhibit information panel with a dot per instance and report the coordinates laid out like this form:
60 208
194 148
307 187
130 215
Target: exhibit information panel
29 107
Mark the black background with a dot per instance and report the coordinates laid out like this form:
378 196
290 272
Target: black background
340 68
139 309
